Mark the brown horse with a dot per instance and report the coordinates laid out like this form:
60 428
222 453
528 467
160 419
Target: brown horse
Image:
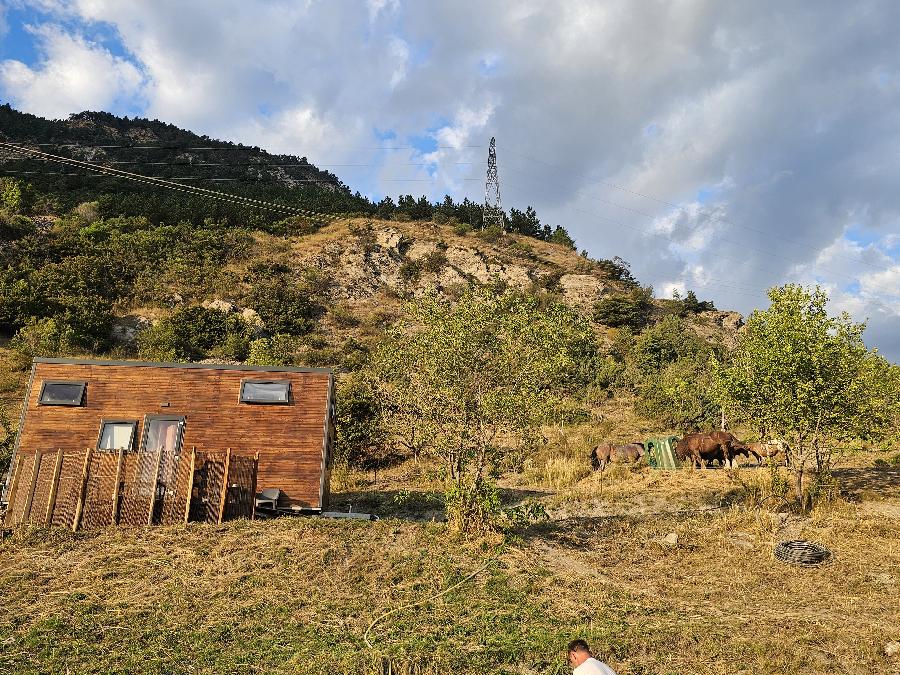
606 453
705 447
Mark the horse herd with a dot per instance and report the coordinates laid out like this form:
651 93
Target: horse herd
700 449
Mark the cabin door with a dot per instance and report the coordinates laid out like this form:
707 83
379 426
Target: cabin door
162 441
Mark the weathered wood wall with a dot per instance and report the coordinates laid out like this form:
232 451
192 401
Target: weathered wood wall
289 438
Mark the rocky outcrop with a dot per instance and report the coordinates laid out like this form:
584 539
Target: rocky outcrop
581 290
126 328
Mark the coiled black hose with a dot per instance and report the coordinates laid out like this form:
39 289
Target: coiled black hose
800 552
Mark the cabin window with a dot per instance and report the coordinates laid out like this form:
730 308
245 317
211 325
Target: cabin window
117 435
266 391
62 393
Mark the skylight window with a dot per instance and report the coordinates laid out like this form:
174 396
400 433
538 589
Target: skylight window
118 435
62 393
266 391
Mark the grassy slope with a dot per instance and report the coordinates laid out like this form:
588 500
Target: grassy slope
293 596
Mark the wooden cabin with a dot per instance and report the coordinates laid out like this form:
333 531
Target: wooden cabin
186 409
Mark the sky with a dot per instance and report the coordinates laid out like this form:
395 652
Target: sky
719 147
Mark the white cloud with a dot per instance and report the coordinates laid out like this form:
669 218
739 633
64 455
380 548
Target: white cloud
72 75
757 142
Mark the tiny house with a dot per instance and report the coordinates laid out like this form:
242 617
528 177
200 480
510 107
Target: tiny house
282 418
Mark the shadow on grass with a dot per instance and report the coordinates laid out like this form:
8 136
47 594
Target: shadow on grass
419 505
856 480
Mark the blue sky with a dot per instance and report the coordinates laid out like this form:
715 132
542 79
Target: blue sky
722 147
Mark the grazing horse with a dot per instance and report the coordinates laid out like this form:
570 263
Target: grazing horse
705 447
776 450
606 453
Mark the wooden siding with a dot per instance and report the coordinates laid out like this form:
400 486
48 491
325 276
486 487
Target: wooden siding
289 438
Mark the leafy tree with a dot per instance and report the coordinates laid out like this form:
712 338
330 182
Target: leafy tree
284 307
680 396
631 309
805 376
693 306
473 377
359 432
10 194
617 269
194 333
561 236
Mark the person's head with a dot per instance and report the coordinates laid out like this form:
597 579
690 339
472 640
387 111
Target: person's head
578 653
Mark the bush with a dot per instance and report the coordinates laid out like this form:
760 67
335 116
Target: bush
15 226
277 350
410 271
42 338
434 262
632 310
284 308
680 396
491 234
462 229
194 333
359 433
7 443
10 194
343 316
666 342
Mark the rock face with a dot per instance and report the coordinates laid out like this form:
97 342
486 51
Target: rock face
126 329
731 321
222 305
382 258
581 290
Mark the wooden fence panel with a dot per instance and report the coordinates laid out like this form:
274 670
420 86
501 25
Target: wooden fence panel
42 487
241 481
67 490
138 486
97 510
175 490
209 480
82 485
25 467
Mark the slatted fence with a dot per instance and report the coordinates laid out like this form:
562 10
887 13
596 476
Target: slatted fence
92 489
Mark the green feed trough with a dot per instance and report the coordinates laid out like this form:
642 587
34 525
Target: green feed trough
661 452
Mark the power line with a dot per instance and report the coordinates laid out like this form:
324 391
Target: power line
160 182
173 146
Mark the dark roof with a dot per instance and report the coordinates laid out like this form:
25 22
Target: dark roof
207 366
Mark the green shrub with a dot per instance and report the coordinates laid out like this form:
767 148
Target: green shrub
491 234
283 307
194 333
343 316
13 226
44 338
358 423
632 309
7 443
410 270
462 229
277 350
10 194
434 262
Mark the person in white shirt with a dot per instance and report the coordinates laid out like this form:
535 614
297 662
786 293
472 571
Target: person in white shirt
582 661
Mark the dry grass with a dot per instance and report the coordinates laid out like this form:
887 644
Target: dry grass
652 572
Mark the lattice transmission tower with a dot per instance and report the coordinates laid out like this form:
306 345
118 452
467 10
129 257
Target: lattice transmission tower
493 209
